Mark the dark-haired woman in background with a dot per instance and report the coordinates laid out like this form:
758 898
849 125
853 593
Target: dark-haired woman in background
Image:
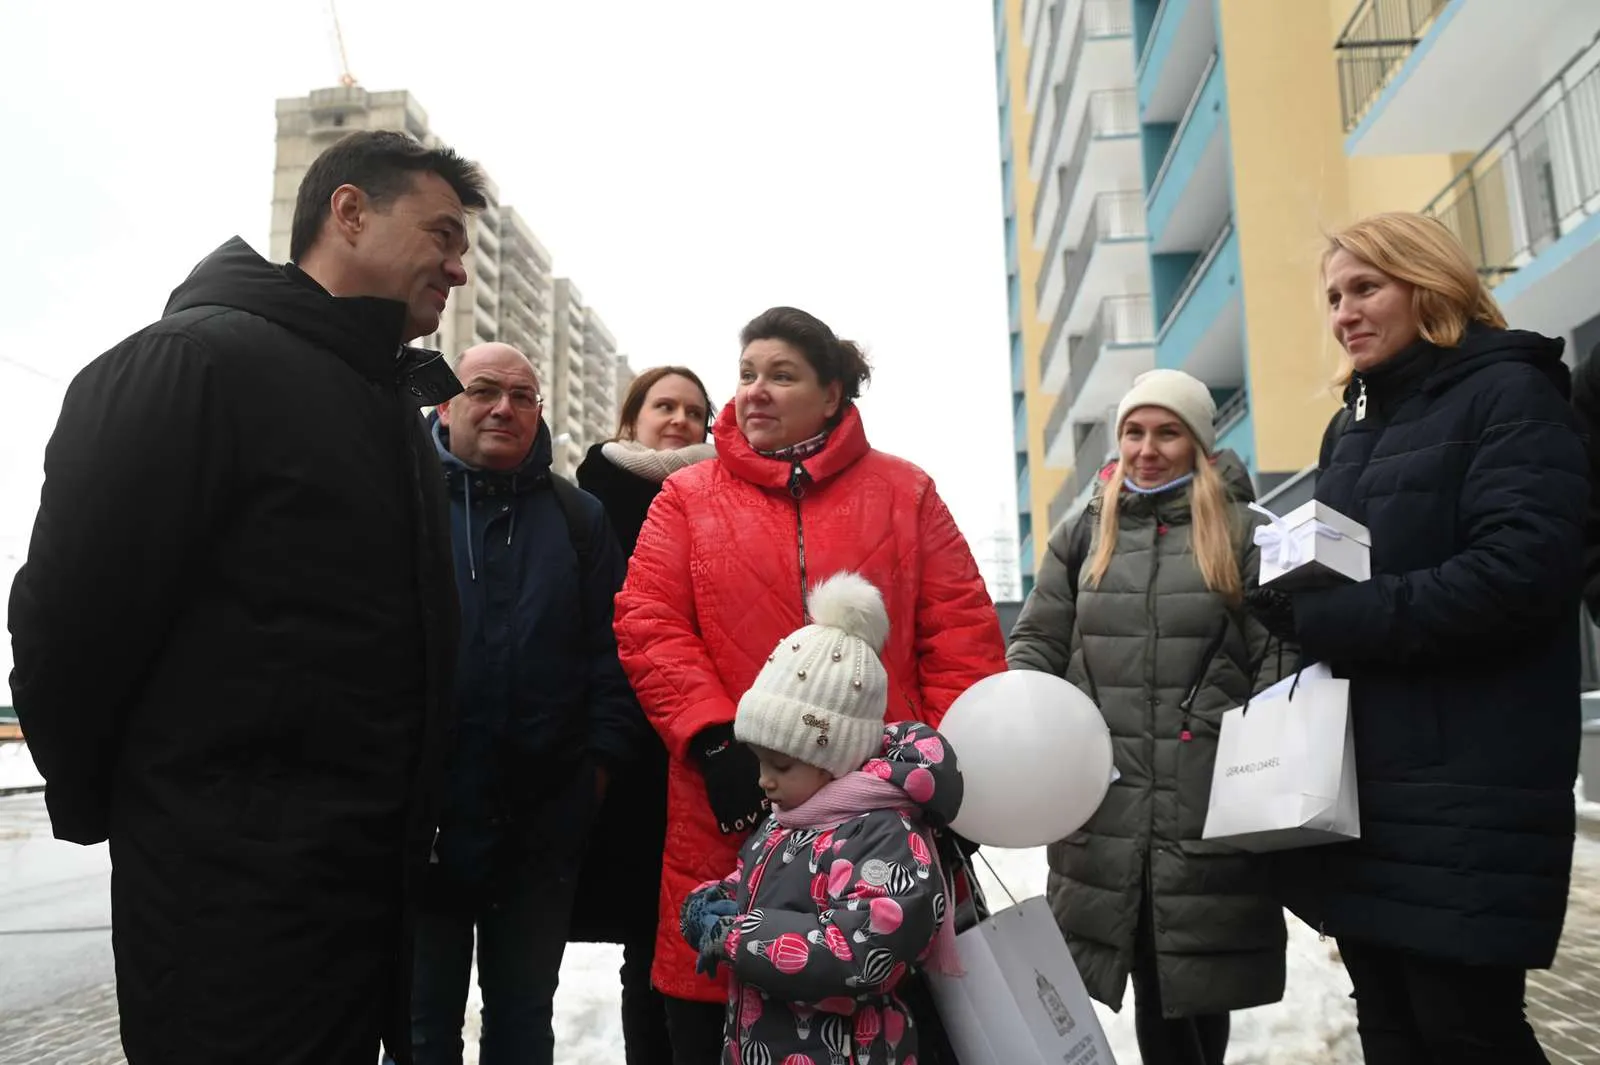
719 577
662 429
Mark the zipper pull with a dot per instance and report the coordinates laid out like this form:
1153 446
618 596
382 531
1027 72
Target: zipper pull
1185 736
1361 402
797 481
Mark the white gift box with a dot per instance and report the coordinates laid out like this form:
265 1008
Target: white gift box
1312 546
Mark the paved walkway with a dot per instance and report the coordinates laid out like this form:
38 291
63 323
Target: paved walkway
1564 1003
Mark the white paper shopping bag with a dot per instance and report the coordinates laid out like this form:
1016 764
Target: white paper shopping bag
1285 774
1021 1001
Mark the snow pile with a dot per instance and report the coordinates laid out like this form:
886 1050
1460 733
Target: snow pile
16 767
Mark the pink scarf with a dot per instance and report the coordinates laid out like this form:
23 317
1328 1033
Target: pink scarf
858 793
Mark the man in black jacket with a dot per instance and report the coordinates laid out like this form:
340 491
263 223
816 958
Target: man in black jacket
545 711
235 629
1586 401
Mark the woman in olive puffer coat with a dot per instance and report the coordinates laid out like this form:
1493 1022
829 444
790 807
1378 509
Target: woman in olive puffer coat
1147 619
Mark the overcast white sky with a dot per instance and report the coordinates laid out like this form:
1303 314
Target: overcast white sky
688 164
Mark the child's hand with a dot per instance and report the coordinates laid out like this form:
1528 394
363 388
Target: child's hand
714 945
701 910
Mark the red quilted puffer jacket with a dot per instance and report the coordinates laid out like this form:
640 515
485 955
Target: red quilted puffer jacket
716 582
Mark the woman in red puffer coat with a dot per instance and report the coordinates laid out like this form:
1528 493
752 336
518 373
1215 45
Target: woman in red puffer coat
720 576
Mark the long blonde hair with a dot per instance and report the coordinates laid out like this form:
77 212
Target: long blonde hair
1211 518
1447 292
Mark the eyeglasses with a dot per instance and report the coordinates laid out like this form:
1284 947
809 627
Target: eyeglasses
489 395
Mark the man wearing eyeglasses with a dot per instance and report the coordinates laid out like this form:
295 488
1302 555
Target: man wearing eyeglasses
544 710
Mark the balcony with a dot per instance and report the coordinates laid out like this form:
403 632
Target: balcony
1413 72
1105 155
1235 430
1204 332
1379 37
1189 195
1526 207
1019 426
1025 492
1096 59
1117 347
1111 257
1174 58
1092 448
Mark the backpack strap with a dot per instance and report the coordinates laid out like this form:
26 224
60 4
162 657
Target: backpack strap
569 499
1078 548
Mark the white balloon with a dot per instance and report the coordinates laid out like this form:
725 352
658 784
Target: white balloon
1035 758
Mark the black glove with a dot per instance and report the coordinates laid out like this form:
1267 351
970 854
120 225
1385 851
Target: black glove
1274 609
732 779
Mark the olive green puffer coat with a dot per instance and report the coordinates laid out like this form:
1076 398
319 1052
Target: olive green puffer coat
1139 642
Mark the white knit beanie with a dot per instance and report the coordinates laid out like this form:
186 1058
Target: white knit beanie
1178 392
821 697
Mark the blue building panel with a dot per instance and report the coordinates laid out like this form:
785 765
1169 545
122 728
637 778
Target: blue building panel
1208 120
1217 287
1144 18
1241 439
1158 44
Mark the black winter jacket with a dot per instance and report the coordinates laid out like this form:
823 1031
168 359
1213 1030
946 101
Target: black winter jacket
620 886
233 640
542 697
1586 401
1462 653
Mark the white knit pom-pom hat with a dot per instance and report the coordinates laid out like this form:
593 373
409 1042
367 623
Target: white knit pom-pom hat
821 697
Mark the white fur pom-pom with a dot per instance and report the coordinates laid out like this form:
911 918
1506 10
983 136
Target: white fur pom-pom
850 602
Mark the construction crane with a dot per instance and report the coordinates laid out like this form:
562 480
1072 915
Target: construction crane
346 78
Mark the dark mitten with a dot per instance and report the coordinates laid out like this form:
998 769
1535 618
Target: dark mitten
1273 609
714 947
732 779
701 910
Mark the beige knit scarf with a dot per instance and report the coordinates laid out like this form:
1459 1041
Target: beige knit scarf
651 464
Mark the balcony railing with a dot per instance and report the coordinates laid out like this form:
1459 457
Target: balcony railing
1543 171
1047 56
1098 19
1232 412
1196 274
1092 450
1376 41
1110 113
1114 216
1122 320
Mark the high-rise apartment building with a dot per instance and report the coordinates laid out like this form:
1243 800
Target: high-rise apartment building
510 295
1205 137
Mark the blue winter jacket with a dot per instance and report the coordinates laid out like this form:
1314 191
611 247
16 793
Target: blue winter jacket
542 699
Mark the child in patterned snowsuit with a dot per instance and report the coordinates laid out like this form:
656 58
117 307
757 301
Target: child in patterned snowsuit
837 896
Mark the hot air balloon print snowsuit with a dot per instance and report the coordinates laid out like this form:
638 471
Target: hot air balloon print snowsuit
832 919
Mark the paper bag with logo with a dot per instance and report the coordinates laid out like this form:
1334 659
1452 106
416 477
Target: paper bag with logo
1021 1001
1285 774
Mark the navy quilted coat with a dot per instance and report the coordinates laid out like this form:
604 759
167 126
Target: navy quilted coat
1462 653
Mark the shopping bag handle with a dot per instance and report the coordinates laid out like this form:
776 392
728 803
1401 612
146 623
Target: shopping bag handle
997 879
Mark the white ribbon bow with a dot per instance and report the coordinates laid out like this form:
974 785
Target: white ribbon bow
1278 541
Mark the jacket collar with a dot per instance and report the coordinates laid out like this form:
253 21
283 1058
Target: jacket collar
462 479
846 443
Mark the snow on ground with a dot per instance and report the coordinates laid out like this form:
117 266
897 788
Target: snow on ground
16 767
1587 811
1315 1024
